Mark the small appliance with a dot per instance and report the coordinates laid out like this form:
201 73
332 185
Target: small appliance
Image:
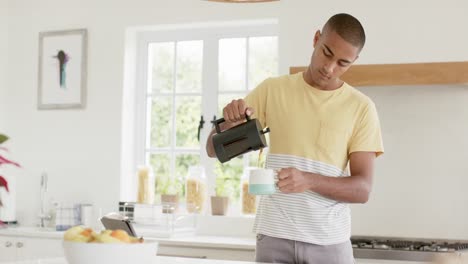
239 139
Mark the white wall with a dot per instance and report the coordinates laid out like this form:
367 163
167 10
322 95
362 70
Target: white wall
80 149
7 213
3 56
421 180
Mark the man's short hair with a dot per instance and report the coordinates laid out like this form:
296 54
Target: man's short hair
347 27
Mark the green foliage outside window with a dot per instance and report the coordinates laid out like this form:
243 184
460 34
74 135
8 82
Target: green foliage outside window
169 185
228 177
187 119
175 143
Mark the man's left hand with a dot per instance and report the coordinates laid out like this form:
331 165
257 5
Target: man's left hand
291 180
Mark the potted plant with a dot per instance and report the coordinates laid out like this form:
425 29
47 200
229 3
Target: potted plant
4 161
170 188
220 202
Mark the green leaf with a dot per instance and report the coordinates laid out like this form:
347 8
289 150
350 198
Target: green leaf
3 138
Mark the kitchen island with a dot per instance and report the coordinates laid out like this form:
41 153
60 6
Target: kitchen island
174 260
44 246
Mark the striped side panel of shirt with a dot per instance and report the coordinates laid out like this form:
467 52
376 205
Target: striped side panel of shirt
308 216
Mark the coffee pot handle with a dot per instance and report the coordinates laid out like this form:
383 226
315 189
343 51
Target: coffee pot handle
216 122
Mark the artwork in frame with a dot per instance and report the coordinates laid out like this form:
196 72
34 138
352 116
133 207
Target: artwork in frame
62 69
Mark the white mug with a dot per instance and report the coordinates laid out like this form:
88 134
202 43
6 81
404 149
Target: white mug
262 181
87 215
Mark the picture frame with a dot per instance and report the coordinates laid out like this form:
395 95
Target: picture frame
62 69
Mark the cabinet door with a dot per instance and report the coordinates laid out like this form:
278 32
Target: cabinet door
34 248
7 248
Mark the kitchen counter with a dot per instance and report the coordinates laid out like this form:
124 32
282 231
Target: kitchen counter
220 242
246 243
172 260
157 260
210 241
32 232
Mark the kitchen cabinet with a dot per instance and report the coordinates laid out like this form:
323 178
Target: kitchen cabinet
206 252
7 249
16 248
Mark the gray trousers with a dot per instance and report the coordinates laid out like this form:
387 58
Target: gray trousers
278 250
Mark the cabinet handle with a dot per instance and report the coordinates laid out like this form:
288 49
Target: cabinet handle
8 244
19 244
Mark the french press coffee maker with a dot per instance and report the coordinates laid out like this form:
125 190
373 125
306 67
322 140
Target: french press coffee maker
238 140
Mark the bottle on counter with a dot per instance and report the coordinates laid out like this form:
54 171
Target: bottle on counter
146 185
195 193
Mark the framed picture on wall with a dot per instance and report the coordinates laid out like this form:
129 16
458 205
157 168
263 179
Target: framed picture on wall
62 69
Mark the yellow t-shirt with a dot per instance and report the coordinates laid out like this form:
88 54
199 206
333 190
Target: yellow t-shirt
315 124
315 131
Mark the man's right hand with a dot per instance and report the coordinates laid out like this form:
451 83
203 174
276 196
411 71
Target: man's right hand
236 110
234 114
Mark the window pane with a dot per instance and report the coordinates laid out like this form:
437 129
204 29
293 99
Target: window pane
263 59
228 178
161 169
189 66
161 121
184 161
232 64
187 120
162 70
224 99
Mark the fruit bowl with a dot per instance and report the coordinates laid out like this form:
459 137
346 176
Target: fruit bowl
113 253
83 245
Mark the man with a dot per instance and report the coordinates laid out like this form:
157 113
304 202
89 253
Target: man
319 124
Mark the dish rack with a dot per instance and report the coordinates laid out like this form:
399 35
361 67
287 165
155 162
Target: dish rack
158 220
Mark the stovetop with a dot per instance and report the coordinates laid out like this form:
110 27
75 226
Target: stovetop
411 249
409 245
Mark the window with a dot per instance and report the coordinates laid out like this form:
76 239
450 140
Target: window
188 76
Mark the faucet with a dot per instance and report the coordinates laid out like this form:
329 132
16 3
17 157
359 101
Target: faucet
43 216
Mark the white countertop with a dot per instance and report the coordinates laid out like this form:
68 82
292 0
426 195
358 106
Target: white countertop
31 232
173 260
157 260
247 243
243 243
210 241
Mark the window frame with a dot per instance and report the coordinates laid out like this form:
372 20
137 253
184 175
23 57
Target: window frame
210 33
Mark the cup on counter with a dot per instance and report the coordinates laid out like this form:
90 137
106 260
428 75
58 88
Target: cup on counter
262 181
87 215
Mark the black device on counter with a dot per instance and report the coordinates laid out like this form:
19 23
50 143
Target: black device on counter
112 223
238 140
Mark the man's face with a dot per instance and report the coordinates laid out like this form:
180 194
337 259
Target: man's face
331 58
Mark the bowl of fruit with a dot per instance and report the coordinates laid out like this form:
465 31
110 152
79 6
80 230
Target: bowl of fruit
83 245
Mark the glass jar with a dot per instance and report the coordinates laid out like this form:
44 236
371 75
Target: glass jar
248 201
145 185
195 187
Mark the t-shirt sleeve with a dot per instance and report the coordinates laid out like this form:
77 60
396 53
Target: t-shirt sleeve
257 99
367 135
